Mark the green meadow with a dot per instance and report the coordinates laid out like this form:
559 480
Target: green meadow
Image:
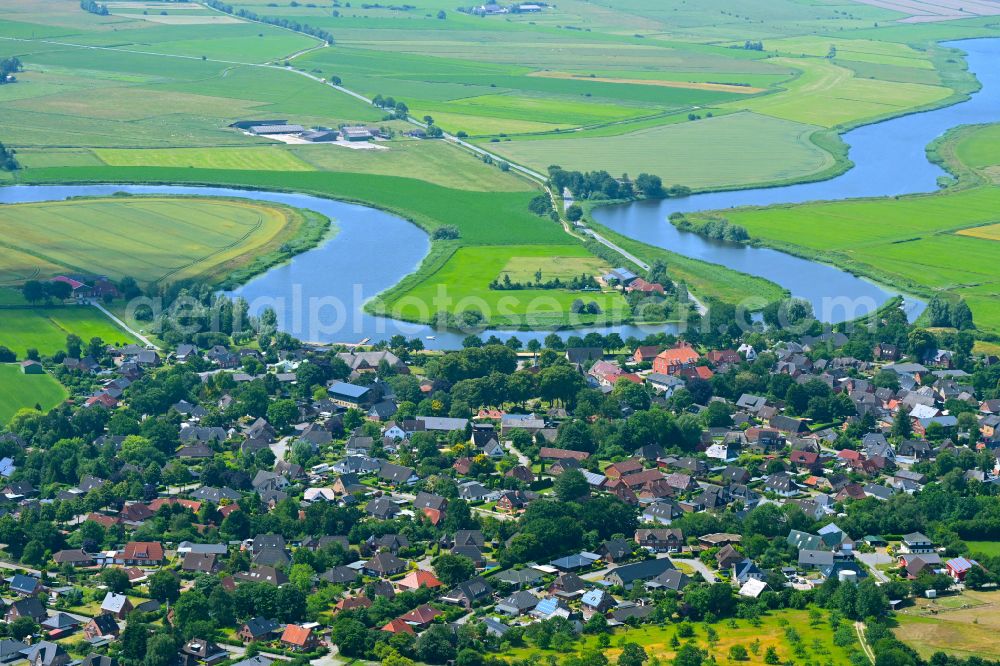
46 328
730 150
18 391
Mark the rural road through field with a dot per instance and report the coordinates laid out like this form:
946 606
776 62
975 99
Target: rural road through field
136 334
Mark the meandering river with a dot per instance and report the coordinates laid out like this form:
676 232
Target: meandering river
319 295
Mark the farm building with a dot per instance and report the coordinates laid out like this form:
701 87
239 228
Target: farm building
353 133
320 136
32 368
263 130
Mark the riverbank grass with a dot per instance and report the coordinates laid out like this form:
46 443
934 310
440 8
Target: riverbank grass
18 390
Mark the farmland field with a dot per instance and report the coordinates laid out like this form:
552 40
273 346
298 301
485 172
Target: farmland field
151 239
45 329
733 150
523 269
18 390
828 95
256 158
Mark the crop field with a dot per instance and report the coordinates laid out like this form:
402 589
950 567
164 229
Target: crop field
46 328
816 640
523 269
251 158
150 239
18 390
829 95
461 283
989 232
967 626
435 162
733 150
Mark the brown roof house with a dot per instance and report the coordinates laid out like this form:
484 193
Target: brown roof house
300 637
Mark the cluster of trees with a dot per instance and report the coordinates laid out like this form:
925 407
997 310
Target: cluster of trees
790 313
94 7
288 24
398 109
753 45
602 185
35 291
9 66
578 306
541 205
718 228
953 313
576 283
7 160
446 232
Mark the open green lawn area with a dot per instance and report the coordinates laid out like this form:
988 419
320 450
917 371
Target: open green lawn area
816 641
989 548
46 328
461 282
967 625
731 150
151 239
19 390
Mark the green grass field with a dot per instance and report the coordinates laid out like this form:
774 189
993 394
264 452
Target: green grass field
462 283
731 150
151 239
45 329
816 641
18 390
989 548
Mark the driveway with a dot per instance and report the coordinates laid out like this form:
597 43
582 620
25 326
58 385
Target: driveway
700 567
871 560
